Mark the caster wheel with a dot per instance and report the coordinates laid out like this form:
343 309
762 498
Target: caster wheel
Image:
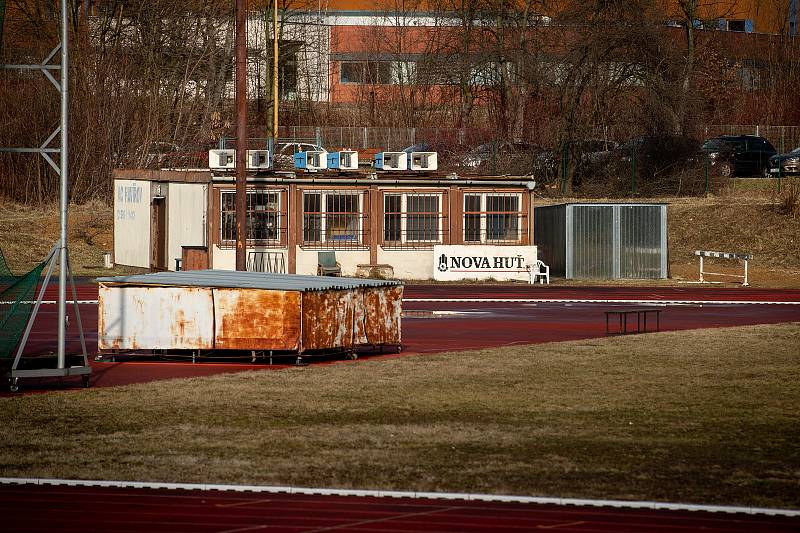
85 381
13 385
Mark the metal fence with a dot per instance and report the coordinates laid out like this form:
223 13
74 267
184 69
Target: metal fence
784 138
384 138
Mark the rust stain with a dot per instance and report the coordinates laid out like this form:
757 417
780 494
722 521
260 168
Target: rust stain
252 319
248 319
346 319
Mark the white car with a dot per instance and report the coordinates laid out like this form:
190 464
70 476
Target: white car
284 152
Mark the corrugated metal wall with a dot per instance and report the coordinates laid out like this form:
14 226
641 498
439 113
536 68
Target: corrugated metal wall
590 252
603 241
549 233
640 250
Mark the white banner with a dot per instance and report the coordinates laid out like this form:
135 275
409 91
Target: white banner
501 263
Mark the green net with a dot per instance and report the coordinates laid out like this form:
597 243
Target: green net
6 277
16 303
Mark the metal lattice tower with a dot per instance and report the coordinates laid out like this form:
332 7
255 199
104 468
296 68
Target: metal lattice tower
59 253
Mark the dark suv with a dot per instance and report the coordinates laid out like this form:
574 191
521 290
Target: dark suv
739 155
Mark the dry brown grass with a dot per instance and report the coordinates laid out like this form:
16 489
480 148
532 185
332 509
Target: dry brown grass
695 416
750 216
27 233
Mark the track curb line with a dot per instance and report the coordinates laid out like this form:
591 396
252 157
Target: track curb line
578 502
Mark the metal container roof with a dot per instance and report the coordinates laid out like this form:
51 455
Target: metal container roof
246 280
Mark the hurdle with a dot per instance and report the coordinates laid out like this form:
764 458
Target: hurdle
723 255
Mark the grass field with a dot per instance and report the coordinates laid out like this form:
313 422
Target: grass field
704 416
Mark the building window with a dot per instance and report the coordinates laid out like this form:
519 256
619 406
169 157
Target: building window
368 72
263 216
333 219
736 25
492 218
412 219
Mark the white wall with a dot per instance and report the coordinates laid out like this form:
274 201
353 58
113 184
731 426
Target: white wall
408 264
225 258
132 223
186 218
486 262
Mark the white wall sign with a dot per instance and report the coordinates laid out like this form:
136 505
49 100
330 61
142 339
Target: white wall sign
132 223
502 263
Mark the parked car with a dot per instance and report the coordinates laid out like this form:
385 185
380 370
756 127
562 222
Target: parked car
787 164
739 155
507 157
284 152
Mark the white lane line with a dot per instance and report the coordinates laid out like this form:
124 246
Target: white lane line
624 504
600 301
526 301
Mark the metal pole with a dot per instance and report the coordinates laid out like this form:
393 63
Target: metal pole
64 176
275 70
241 135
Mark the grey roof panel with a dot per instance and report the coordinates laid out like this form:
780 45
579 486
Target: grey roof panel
246 280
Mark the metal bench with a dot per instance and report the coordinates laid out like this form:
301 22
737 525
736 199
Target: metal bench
641 320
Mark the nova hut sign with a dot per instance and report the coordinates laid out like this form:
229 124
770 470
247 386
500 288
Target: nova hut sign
502 263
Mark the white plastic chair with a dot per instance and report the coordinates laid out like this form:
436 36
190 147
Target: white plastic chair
541 271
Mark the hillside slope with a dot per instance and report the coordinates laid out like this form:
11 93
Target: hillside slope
730 223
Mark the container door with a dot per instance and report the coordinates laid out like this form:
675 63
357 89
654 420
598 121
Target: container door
158 228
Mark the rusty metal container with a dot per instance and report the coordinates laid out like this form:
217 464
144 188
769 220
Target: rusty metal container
228 310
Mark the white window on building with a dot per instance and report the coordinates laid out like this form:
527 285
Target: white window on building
493 218
263 217
412 219
333 219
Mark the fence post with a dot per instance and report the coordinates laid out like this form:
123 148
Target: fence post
705 166
493 158
365 145
780 169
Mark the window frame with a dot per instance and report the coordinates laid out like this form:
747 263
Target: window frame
483 217
278 213
403 215
324 239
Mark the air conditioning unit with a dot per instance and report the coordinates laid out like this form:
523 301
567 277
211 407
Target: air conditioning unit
424 160
344 160
258 159
311 160
222 159
391 161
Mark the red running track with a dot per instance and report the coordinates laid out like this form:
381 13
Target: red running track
437 326
33 508
428 327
